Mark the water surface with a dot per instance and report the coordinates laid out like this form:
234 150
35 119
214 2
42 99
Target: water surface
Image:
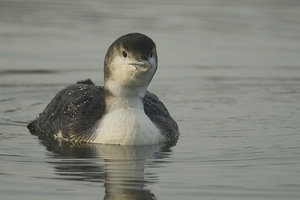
229 73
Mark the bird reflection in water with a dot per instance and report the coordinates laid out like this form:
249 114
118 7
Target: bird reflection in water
121 168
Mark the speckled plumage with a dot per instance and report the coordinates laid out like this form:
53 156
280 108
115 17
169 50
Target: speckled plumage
84 112
75 110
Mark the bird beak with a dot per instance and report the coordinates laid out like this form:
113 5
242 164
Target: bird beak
142 66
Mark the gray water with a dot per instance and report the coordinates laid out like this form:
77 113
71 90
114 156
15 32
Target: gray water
229 73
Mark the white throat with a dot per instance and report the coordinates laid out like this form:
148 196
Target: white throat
124 97
125 121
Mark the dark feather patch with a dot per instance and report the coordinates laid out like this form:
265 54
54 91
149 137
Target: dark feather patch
73 111
159 115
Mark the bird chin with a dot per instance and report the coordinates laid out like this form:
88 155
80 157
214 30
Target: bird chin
141 78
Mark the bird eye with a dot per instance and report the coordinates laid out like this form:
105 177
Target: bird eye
124 54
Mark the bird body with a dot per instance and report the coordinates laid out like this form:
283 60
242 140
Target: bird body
122 112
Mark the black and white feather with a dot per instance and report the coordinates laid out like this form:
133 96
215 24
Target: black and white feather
74 111
84 112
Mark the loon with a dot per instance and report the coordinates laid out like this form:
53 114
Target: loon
121 112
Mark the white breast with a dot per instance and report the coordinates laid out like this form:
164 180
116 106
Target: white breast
127 126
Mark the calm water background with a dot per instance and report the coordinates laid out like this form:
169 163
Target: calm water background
229 73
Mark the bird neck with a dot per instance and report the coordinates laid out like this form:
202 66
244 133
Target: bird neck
122 97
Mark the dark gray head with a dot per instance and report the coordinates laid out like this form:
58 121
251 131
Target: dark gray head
130 63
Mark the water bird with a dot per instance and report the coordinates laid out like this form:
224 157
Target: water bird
122 112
